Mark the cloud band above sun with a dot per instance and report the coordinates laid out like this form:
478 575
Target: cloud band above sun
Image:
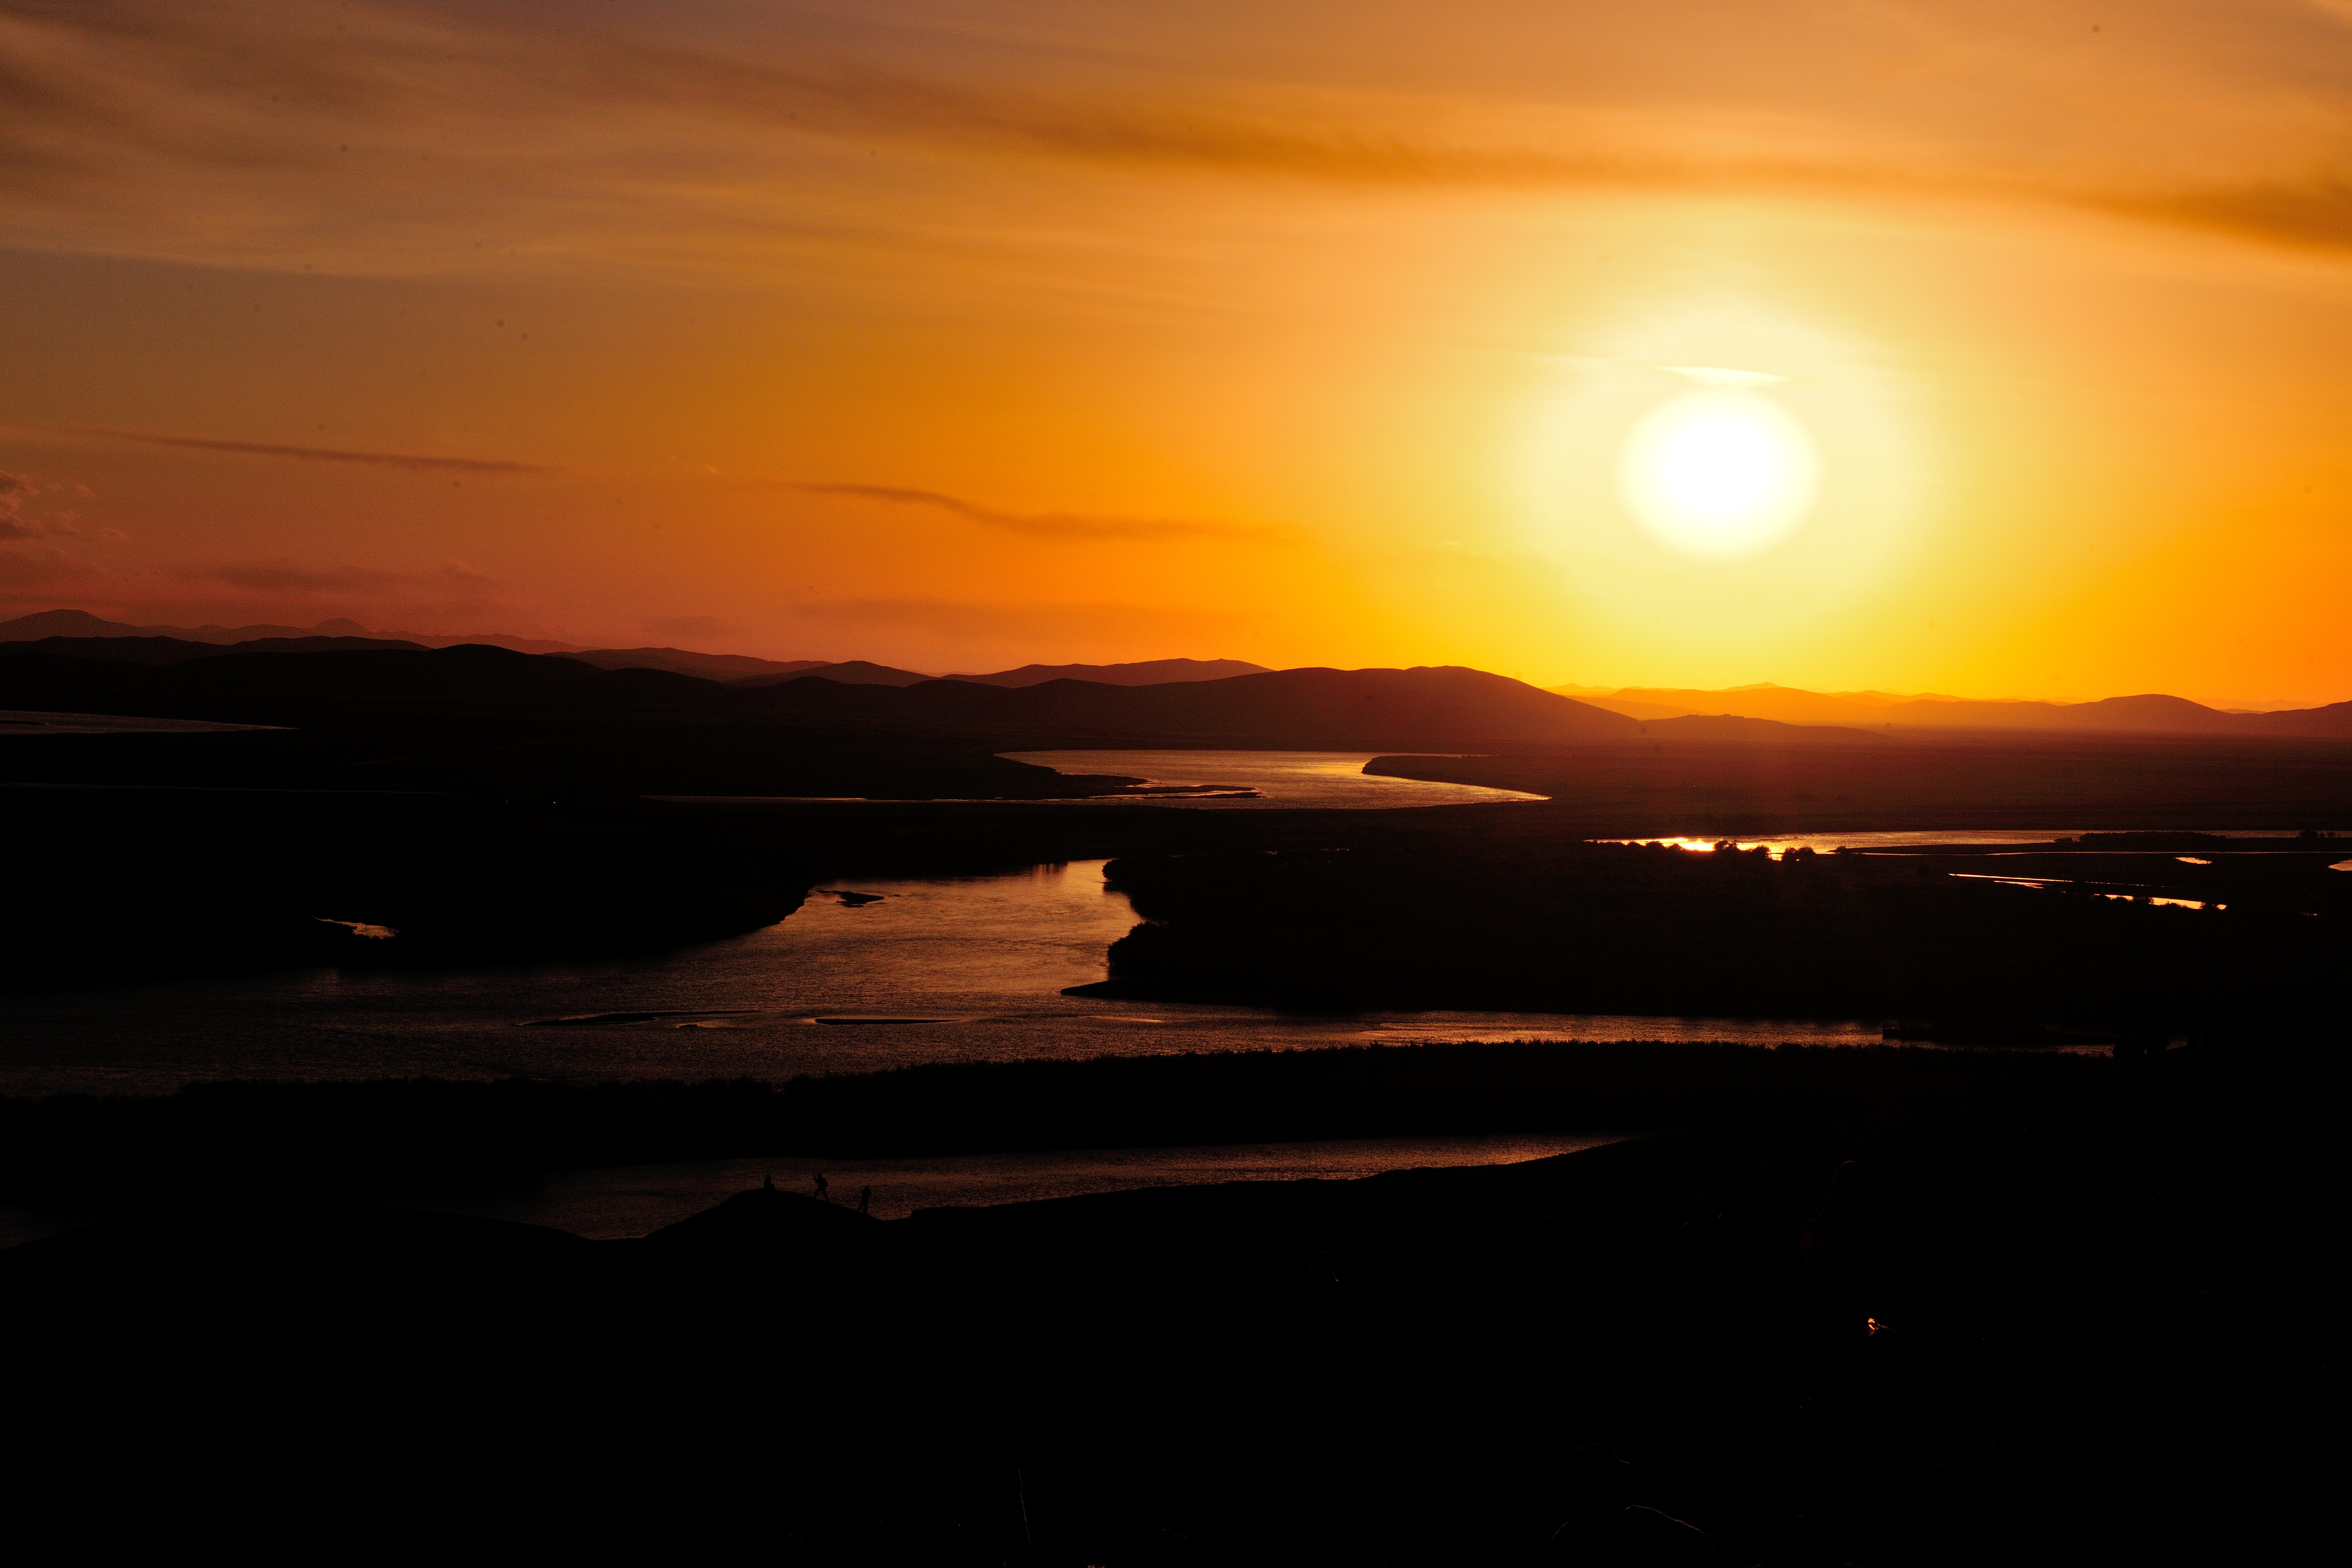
397 138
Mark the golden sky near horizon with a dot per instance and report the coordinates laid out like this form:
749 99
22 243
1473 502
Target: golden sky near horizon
959 335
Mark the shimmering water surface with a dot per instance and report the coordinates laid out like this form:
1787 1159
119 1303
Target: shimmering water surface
1893 843
1282 779
634 1200
838 986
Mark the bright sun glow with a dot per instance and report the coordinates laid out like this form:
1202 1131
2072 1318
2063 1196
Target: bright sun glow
1720 473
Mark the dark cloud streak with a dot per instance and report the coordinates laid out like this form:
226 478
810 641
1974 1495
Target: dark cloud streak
313 453
1050 525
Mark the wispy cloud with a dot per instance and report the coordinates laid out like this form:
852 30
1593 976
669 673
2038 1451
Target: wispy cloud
15 490
1051 524
313 453
17 521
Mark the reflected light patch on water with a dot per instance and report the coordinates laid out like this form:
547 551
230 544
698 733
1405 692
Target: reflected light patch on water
985 957
1281 779
1830 843
1896 843
2069 881
633 1200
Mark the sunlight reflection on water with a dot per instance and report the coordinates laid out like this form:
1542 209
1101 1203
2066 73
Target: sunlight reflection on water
632 1201
1287 780
987 956
1896 843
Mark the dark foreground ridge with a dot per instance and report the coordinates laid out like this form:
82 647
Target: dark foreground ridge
2053 1324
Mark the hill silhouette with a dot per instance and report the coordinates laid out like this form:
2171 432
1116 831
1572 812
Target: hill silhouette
1149 672
1372 709
81 623
847 672
2148 713
1309 709
471 674
164 651
685 661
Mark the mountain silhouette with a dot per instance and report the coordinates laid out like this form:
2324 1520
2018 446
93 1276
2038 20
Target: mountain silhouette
848 672
684 661
81 623
1149 672
1379 709
160 650
1340 709
2150 714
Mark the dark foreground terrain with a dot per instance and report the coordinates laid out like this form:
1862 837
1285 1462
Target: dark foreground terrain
1880 1307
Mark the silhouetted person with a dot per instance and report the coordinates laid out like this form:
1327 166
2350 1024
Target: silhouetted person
821 1188
865 1200
768 1183
1603 1529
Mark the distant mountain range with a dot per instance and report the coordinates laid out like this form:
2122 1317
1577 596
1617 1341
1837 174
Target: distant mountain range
1760 714
676 660
312 679
1338 709
2152 713
81 623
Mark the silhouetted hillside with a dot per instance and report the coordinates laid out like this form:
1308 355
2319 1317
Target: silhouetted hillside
1149 672
469 674
1310 709
849 672
81 623
161 650
683 661
2151 713
2332 720
1371 708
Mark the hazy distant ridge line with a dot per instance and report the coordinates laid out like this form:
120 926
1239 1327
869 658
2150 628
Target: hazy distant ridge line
2145 713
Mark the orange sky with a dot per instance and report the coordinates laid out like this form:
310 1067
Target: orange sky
956 336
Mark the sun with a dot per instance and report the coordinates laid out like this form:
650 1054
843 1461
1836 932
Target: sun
1721 472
